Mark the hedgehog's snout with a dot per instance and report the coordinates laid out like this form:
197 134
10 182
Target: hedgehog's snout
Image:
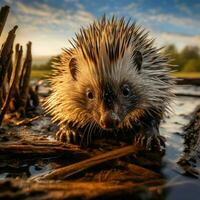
109 120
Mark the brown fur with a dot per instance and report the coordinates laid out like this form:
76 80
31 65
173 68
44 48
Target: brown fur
106 55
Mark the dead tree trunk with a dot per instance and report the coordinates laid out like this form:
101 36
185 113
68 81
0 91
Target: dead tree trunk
3 16
16 93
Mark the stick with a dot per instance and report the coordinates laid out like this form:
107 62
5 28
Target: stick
26 149
15 78
188 81
188 95
5 54
26 72
20 189
69 170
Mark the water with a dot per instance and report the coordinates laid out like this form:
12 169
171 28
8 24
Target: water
178 186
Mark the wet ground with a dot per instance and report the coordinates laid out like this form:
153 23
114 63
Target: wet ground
172 129
179 185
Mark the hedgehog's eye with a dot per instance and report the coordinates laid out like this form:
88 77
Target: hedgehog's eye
89 94
126 90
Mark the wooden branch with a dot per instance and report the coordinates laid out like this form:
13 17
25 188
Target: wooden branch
5 54
20 189
34 95
26 72
188 81
141 171
5 60
15 91
15 78
69 170
188 95
3 16
5 86
27 121
14 104
42 149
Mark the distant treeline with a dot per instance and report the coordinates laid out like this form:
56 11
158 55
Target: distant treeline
188 59
47 65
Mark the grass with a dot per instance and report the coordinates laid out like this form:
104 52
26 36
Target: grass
35 73
44 73
187 74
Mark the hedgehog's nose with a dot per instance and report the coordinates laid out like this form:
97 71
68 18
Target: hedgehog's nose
109 120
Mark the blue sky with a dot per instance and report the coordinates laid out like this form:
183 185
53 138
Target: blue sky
50 23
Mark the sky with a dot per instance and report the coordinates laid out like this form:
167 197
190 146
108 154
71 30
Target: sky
49 24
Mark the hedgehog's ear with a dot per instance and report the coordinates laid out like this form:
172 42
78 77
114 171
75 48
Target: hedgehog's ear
138 59
73 68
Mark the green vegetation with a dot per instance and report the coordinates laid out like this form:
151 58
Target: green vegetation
43 70
40 73
47 65
187 74
187 60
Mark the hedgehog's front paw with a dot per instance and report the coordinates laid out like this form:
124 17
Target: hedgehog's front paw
68 136
150 142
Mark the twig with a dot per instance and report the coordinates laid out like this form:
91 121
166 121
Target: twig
69 170
27 121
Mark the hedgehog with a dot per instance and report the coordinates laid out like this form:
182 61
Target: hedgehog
112 81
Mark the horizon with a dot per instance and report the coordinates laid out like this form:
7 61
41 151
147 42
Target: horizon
49 24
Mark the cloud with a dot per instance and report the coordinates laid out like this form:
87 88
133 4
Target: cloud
173 19
131 6
38 14
185 9
154 18
40 11
167 28
46 26
49 26
182 40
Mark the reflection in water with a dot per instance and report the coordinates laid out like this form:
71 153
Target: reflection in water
34 170
177 185
182 187
3 175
